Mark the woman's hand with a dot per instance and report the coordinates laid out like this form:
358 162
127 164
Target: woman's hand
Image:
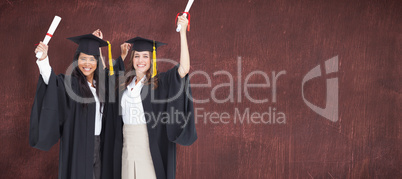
183 21
42 48
124 50
98 33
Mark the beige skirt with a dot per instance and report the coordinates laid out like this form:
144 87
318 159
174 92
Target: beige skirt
136 158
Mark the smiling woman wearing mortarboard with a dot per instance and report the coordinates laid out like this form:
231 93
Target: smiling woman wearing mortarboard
147 131
57 114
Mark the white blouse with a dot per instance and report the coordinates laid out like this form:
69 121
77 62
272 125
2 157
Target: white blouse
131 103
45 71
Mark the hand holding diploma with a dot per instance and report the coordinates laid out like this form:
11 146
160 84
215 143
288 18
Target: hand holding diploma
189 4
183 23
42 47
49 34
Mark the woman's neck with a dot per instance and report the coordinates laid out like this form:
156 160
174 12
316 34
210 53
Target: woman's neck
139 77
90 79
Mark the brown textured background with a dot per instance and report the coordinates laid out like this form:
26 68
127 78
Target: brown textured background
269 35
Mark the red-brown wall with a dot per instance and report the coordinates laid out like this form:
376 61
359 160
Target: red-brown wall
269 36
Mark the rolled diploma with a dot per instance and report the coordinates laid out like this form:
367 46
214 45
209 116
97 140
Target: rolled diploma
52 28
189 4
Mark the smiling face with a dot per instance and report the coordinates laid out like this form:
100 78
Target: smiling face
87 64
142 61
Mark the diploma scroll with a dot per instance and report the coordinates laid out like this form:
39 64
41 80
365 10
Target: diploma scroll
189 4
52 28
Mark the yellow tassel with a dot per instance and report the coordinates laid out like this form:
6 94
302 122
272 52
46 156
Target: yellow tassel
111 71
154 61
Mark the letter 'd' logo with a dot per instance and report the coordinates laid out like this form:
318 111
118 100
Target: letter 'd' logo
331 107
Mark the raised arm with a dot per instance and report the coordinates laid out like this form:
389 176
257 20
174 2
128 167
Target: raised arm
50 105
184 54
99 34
101 58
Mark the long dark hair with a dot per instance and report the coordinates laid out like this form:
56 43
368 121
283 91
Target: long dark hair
83 83
149 81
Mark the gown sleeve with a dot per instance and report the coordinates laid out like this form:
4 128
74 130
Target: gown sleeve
181 129
49 110
118 65
44 69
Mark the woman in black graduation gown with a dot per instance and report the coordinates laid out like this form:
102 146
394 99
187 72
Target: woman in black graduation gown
155 114
71 108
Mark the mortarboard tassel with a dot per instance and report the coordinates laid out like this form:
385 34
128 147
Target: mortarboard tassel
111 71
154 61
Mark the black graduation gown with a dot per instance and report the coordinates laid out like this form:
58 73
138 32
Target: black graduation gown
163 136
109 126
56 116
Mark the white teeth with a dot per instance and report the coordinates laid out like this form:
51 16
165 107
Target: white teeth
140 65
87 69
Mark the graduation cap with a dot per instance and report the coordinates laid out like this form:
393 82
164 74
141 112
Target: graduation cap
141 44
88 44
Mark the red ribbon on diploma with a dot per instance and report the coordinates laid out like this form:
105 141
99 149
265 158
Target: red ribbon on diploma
188 15
50 35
